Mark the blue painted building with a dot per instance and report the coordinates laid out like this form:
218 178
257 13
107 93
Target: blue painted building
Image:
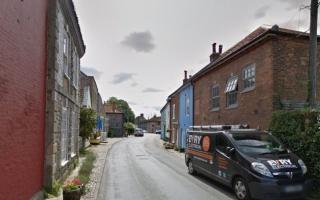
185 111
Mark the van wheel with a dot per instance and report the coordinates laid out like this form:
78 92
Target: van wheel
241 189
190 168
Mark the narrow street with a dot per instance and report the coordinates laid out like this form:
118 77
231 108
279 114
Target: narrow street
139 168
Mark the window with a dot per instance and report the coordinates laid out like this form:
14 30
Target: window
75 68
187 105
215 97
64 136
222 143
174 111
65 55
74 132
249 76
231 91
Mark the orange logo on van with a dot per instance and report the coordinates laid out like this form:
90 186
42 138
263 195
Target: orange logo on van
206 143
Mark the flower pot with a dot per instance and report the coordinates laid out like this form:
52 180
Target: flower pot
94 141
72 195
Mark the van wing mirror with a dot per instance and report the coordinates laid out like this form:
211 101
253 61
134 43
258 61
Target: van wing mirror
230 151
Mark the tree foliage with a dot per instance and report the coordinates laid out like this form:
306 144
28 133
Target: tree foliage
87 122
122 105
129 127
300 131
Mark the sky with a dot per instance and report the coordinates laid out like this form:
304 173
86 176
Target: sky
137 50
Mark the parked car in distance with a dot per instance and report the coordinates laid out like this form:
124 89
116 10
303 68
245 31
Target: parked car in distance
158 131
252 162
138 132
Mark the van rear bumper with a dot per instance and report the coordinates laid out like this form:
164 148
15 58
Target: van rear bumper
274 190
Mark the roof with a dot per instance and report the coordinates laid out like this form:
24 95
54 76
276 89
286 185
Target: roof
110 108
260 33
181 87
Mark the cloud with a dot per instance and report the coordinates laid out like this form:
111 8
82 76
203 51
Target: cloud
295 4
157 108
90 71
139 41
296 24
151 90
132 103
122 77
261 12
134 84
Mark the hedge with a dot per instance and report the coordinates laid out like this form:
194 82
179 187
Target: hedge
300 131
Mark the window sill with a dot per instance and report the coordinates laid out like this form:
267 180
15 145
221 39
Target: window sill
215 109
248 89
63 163
234 106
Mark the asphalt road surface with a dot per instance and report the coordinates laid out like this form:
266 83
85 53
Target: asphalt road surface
138 168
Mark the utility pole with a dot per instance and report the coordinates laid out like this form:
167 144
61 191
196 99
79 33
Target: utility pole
313 53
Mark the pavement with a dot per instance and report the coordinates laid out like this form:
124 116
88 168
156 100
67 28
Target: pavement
100 152
139 168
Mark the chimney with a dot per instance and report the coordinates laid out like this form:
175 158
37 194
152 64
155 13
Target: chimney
141 115
220 49
215 54
214 47
185 76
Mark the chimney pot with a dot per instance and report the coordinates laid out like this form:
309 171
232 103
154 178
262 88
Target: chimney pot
185 74
220 49
214 47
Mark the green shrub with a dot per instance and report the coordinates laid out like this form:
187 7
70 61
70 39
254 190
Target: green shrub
86 167
299 130
54 190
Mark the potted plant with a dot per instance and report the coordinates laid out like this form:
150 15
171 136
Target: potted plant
95 139
72 189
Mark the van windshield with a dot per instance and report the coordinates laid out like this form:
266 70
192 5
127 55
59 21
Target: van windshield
257 143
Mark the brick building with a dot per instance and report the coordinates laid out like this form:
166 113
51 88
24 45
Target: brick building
65 48
114 120
140 122
40 51
174 117
22 97
91 98
266 71
153 124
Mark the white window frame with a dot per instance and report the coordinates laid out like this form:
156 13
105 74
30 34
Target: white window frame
231 91
249 76
64 136
187 105
174 111
66 55
73 133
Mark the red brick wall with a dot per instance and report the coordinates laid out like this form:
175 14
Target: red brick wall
254 107
22 95
174 123
291 67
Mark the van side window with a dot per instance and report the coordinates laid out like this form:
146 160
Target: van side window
222 143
